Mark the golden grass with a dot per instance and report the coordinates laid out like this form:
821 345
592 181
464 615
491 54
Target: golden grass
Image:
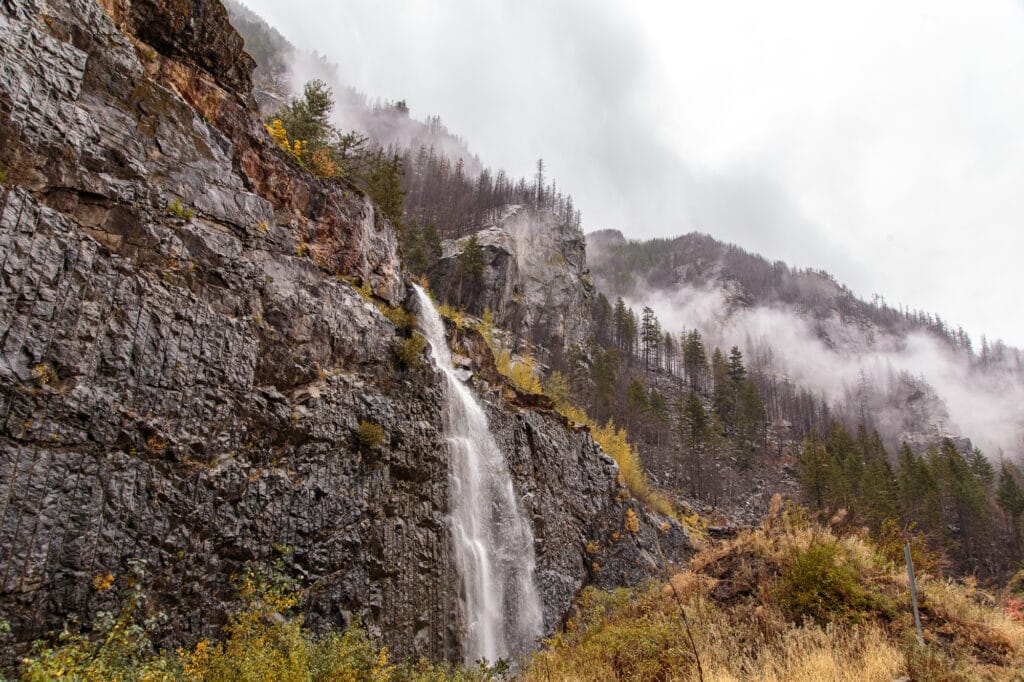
725 612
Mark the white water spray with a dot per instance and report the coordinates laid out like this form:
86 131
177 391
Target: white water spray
492 541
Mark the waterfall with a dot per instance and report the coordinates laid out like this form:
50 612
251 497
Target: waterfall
491 540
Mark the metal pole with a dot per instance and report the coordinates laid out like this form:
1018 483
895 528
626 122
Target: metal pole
913 593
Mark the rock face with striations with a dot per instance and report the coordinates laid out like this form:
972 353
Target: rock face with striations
184 360
535 279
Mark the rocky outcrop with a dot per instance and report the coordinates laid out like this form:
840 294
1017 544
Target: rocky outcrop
535 279
185 360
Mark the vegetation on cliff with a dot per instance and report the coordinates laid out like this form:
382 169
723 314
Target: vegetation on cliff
264 639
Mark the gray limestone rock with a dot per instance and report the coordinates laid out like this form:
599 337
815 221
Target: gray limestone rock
535 279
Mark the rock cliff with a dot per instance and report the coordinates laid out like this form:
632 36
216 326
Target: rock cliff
185 358
535 279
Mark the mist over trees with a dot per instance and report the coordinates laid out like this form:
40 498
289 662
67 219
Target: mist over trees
632 268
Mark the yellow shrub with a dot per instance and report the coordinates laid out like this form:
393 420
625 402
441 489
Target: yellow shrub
369 435
404 321
300 150
453 314
410 351
632 523
503 362
279 135
523 375
321 163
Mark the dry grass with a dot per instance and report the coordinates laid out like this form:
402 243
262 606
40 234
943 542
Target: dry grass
733 611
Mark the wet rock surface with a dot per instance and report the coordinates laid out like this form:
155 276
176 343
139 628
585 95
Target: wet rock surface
535 279
184 360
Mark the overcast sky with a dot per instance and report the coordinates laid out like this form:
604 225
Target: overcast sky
882 141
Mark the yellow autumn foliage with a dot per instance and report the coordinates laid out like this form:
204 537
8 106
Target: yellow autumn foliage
298 149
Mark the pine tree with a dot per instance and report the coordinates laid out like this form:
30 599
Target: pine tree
737 372
694 360
603 321
307 118
847 463
470 266
964 501
650 336
815 471
982 469
693 434
659 412
879 494
603 371
724 399
750 424
619 320
384 185
1010 497
919 493
636 403
669 346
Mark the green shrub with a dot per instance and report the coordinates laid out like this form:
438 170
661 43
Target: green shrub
369 435
404 321
180 211
821 583
410 351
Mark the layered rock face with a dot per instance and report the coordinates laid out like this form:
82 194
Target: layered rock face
535 279
184 360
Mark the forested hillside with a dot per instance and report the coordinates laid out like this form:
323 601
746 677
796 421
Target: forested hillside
764 375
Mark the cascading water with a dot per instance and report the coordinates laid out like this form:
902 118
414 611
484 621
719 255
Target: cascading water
491 540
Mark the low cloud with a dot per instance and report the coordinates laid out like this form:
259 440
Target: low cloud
908 380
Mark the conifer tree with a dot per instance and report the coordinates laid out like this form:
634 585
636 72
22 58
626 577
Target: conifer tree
737 372
658 407
650 336
693 434
919 493
1010 497
815 471
669 346
694 360
725 395
470 266
636 403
